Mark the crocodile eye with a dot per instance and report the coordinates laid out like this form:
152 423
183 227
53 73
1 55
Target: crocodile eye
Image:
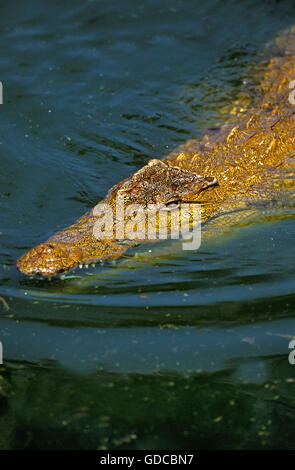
171 205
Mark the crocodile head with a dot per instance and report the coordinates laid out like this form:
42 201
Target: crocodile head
156 183
161 184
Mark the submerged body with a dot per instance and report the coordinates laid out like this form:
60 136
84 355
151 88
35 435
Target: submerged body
247 158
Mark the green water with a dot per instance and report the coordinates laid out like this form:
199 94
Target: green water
186 349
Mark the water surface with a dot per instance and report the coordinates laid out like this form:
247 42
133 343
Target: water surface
173 349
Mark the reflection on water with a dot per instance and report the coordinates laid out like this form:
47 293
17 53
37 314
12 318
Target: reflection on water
148 349
162 348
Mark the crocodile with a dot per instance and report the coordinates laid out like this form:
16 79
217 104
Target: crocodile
241 162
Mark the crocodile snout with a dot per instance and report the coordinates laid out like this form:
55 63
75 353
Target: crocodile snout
49 259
